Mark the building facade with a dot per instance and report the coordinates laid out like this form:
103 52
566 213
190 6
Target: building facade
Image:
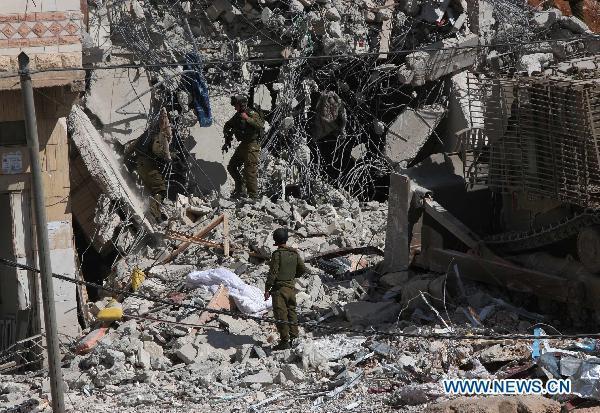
49 32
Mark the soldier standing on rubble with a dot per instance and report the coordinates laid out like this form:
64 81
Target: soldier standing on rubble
247 126
575 5
286 264
152 152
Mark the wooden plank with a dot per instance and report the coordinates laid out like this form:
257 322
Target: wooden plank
185 245
225 235
220 301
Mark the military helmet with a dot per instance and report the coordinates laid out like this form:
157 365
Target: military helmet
241 99
280 236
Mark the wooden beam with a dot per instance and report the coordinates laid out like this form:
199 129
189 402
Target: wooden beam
225 235
185 245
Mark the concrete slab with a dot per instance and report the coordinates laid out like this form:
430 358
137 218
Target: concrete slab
109 90
410 131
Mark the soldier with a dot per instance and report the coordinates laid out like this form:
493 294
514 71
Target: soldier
247 126
575 5
285 266
151 153
577 9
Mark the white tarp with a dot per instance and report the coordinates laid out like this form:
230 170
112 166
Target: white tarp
248 298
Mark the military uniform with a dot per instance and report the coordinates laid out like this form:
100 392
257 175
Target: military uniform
151 155
577 9
285 266
247 153
575 5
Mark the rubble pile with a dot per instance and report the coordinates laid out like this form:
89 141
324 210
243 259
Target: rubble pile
350 92
176 358
382 62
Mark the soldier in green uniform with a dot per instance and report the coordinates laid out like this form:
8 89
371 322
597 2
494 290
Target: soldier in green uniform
247 127
575 5
577 9
285 266
151 154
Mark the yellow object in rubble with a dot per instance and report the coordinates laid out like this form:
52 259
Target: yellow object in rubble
112 312
137 278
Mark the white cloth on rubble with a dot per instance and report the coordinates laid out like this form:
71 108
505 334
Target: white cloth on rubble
248 298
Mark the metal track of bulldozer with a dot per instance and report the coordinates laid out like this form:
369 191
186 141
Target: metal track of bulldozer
539 237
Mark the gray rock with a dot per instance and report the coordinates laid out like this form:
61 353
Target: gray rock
129 328
142 358
262 377
109 357
12 387
293 373
332 14
157 359
187 353
368 313
546 18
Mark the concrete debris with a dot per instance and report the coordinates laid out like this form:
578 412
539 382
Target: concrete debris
410 131
350 93
367 313
104 166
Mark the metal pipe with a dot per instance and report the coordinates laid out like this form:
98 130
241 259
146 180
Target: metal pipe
56 379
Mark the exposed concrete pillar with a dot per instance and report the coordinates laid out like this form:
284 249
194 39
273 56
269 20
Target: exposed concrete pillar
397 241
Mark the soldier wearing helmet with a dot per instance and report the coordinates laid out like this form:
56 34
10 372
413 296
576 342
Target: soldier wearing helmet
286 264
247 127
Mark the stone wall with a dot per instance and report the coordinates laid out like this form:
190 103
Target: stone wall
49 31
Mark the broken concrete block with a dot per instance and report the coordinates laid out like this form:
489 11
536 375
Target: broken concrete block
332 14
263 377
217 8
104 167
157 359
187 353
293 373
545 19
411 130
367 313
535 63
142 358
111 89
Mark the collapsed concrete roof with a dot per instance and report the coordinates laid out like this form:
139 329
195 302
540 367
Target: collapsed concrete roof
104 167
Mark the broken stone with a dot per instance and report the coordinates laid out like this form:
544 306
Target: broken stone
367 313
142 358
187 353
411 130
263 377
293 373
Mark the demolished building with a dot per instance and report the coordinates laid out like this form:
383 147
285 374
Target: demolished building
411 147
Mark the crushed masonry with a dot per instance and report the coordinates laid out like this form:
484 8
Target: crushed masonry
434 161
